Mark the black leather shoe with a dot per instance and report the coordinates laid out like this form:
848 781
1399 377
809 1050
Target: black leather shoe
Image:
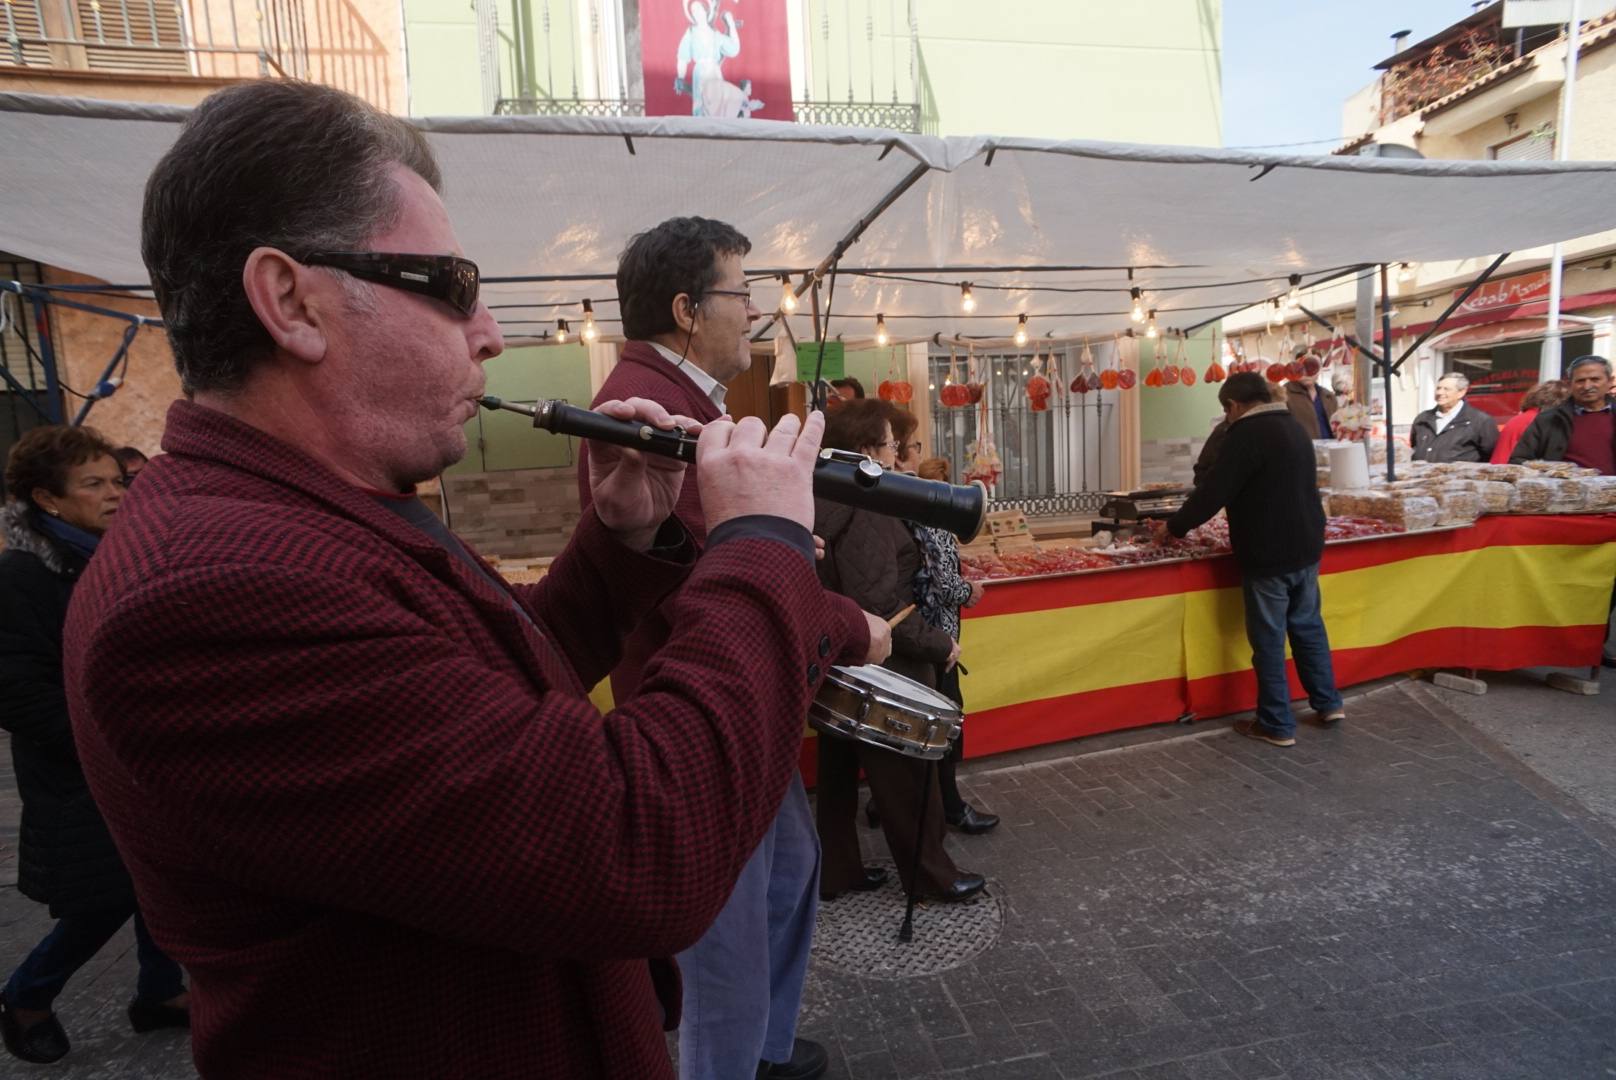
808 1061
147 1016
874 878
972 821
40 1044
963 888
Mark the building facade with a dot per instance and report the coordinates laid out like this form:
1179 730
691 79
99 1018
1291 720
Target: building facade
1479 91
1078 69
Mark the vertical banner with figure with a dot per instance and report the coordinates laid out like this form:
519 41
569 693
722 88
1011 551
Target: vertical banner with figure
722 58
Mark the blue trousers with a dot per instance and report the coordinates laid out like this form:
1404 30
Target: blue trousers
743 980
70 945
1277 607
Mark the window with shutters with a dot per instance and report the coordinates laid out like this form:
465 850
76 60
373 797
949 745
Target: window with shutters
133 35
22 22
1533 146
137 36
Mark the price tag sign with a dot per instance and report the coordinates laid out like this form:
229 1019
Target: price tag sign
808 360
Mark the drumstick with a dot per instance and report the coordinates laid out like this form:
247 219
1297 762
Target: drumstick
900 616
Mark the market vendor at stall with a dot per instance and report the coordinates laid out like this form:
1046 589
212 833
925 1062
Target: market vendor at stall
1581 429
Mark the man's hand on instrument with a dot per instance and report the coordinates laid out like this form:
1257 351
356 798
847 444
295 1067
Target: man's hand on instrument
634 492
976 594
880 639
746 469
953 657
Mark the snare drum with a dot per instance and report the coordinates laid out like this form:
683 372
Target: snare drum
885 709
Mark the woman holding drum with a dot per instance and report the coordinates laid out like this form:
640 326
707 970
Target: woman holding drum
873 560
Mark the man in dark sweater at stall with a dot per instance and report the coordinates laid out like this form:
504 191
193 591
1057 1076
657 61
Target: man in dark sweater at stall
1581 429
1264 476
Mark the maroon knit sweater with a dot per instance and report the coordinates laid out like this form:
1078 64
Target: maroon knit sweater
365 802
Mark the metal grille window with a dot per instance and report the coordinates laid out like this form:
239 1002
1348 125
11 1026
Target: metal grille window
23 396
1055 460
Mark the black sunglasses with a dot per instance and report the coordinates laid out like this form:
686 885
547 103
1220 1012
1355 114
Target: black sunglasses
449 278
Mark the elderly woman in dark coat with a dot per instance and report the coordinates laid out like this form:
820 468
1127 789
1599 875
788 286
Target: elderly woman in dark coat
873 560
63 485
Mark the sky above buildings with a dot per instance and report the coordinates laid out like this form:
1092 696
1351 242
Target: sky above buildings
1288 65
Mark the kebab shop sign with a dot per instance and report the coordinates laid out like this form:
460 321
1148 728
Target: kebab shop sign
1506 293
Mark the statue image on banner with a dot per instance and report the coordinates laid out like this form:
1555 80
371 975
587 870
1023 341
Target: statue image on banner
702 51
699 37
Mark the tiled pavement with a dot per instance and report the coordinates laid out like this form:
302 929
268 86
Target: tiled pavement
1386 900
1391 899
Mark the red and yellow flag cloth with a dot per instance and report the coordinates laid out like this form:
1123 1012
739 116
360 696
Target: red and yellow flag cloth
1062 657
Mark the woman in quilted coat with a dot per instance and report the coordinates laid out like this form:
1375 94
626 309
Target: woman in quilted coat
873 560
63 486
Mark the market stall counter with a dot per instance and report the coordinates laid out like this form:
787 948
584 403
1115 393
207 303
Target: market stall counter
1096 650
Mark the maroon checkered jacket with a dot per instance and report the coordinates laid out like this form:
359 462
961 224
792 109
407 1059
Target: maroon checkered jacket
366 804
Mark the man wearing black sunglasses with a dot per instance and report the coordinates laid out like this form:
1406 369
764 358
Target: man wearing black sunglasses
360 789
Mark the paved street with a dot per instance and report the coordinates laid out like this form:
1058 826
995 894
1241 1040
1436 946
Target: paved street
1398 898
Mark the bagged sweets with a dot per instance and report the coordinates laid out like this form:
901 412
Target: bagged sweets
1532 495
1495 496
1601 494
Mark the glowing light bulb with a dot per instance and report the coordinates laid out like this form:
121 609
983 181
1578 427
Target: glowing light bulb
967 301
1138 312
788 299
561 331
881 337
1021 330
1150 327
1294 296
1405 273
590 331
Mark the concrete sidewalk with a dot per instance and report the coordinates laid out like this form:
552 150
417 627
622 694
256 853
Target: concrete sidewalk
1395 898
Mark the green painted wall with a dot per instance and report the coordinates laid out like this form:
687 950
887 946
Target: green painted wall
445 70
1179 412
1059 69
507 440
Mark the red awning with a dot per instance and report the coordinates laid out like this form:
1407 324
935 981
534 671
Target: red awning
1538 308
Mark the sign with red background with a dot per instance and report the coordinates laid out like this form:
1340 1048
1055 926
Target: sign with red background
1505 293
722 58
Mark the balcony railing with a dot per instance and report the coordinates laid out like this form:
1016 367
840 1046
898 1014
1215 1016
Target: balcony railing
866 50
871 114
319 40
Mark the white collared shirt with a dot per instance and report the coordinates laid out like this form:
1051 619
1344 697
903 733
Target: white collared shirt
1443 419
708 385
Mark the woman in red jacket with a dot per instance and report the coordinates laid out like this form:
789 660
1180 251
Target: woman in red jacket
1542 396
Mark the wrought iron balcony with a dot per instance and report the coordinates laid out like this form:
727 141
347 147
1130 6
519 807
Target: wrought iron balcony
888 116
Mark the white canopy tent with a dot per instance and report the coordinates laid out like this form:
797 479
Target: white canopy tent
1047 229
